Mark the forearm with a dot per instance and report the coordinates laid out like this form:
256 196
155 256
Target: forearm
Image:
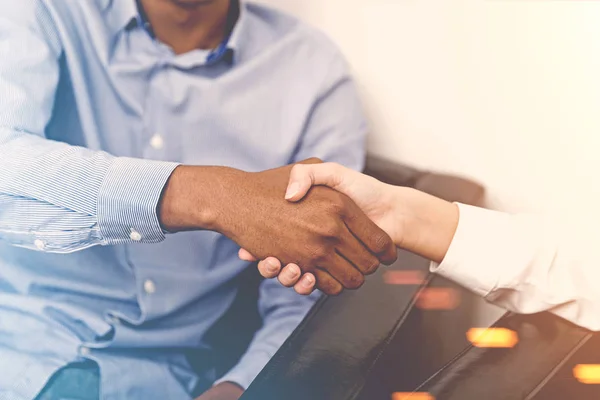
427 223
197 198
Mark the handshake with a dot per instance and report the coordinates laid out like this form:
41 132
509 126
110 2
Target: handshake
313 225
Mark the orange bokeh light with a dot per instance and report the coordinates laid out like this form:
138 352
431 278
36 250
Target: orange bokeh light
492 337
412 396
587 373
407 277
438 298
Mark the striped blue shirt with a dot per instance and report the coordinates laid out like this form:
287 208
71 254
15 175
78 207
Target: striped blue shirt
94 116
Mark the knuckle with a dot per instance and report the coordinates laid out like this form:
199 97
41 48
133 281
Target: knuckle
334 289
291 282
332 202
372 266
328 285
309 267
292 272
320 253
392 257
342 202
381 242
336 167
331 230
265 273
283 281
338 204
355 281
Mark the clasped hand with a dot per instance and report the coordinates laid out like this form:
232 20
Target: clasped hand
325 233
415 221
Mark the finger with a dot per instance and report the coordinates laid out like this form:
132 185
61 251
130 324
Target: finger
303 177
243 254
327 283
373 237
306 284
357 254
290 275
269 268
344 272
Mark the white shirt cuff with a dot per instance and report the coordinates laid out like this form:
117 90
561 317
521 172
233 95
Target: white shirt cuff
476 243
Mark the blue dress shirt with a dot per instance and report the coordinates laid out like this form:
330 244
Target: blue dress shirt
94 116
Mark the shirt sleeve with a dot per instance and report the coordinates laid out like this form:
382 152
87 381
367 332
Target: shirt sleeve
53 196
526 264
336 131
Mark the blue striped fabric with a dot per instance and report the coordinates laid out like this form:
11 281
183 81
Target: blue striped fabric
108 196
94 116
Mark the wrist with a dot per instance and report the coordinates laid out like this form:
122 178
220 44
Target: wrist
427 223
194 198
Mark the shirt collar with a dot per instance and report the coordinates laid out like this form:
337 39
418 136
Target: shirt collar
239 34
124 14
119 14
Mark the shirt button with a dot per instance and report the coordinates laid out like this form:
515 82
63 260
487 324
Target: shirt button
135 235
40 244
149 286
157 142
84 351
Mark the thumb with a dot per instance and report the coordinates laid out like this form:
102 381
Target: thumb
303 177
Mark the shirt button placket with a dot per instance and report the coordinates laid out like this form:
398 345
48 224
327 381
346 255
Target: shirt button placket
84 351
157 142
149 286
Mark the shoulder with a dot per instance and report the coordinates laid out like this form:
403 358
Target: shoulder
36 18
47 12
24 11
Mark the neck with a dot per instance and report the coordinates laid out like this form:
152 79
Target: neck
186 25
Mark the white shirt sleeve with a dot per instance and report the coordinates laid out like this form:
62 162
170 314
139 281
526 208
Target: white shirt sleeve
525 264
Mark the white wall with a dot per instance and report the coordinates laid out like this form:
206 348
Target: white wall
503 91
507 92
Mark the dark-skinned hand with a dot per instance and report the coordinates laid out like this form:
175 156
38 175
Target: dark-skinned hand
325 233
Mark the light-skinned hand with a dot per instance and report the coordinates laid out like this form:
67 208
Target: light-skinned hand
414 220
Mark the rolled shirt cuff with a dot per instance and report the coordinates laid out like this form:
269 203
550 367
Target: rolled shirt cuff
128 200
474 255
